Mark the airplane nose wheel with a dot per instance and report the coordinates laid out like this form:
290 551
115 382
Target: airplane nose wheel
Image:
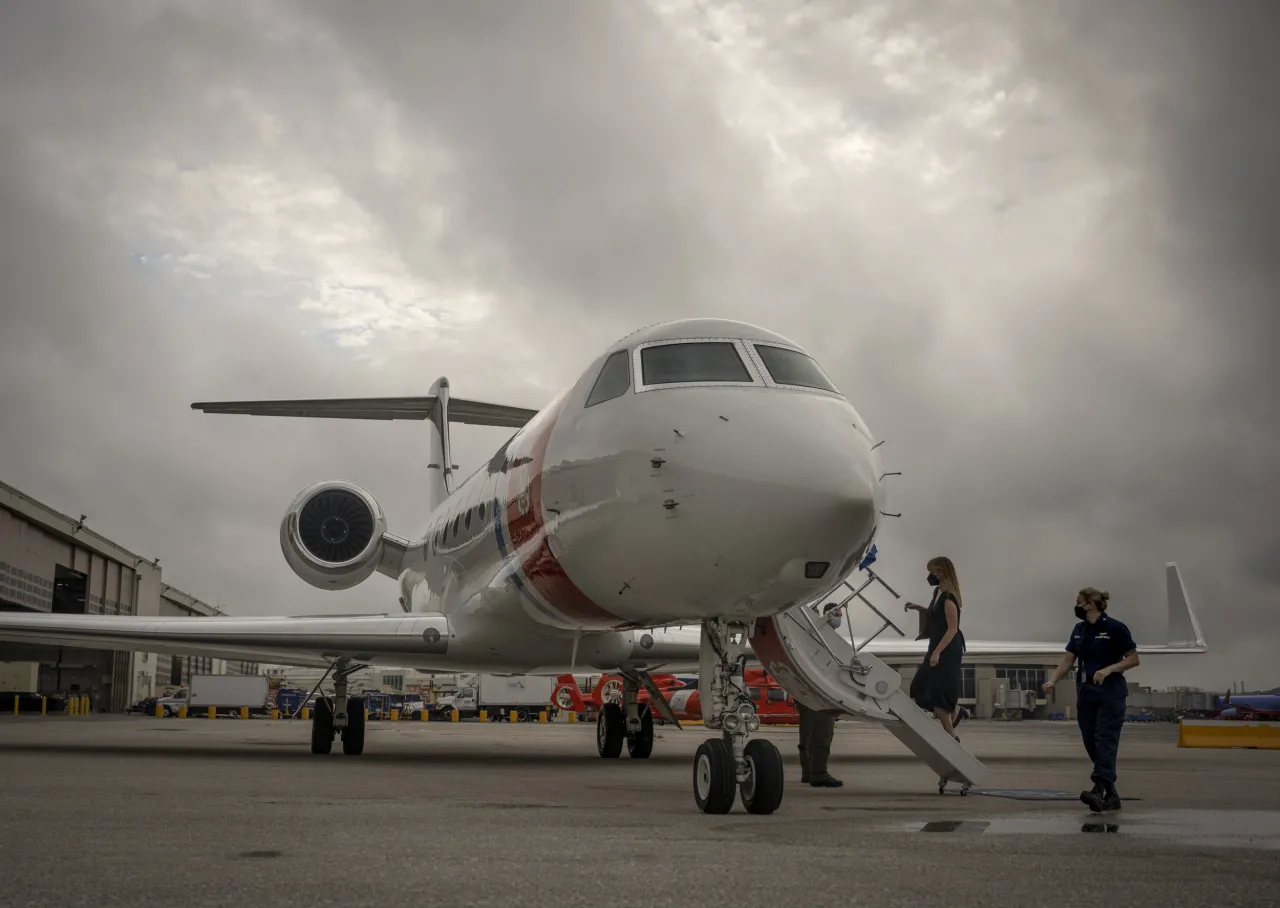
714 776
761 790
731 764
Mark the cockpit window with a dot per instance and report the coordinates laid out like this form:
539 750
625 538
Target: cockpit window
613 381
698 361
787 367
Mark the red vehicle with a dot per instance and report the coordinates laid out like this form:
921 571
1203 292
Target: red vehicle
568 696
774 705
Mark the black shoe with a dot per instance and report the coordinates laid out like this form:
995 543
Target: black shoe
961 715
804 780
828 782
1093 797
1111 800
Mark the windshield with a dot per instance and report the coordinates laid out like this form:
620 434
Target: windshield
698 361
789 367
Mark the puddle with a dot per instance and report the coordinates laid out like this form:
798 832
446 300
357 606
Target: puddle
1206 828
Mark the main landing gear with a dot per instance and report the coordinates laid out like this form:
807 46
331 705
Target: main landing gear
722 764
342 715
628 721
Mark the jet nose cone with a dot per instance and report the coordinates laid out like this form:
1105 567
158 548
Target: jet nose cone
790 501
823 510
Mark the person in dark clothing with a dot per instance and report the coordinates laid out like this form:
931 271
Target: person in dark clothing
1104 649
817 728
936 685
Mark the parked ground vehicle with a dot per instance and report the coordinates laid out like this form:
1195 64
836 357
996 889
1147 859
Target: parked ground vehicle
499 696
225 693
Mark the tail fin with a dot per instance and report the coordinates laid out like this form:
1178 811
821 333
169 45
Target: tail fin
437 407
1184 626
439 449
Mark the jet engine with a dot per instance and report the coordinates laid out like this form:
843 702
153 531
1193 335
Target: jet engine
332 535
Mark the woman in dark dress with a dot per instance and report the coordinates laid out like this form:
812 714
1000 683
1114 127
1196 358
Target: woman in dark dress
936 686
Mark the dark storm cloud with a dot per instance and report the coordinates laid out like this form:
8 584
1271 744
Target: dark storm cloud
1063 341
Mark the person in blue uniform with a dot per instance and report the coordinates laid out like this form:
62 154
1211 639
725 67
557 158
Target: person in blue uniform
1104 650
936 686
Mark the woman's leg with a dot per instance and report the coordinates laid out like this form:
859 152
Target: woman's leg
944 716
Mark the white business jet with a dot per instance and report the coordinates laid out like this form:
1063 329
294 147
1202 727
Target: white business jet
701 471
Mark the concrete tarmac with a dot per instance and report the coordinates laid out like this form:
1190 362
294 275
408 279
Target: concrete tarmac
104 811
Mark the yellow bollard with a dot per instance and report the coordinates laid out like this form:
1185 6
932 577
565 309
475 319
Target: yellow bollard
453 715
484 715
306 713
213 713
573 717
395 714
87 708
542 716
244 712
511 716
424 715
159 711
44 704
275 713
366 715
15 704
71 707
182 712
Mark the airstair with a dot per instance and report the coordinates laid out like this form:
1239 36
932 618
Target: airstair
825 671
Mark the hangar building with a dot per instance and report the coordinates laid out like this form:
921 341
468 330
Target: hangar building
50 562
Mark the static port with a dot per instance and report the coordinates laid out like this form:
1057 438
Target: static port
813 570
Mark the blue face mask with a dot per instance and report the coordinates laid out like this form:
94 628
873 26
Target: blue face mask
932 578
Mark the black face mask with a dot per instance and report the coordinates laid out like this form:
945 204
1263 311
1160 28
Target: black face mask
933 579
1080 612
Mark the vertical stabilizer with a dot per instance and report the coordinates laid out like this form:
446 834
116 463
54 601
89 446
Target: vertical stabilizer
440 452
1184 626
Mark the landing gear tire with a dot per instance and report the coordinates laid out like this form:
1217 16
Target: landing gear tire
640 745
714 776
761 790
353 734
322 727
611 728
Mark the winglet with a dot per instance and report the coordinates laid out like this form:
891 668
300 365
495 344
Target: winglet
1184 626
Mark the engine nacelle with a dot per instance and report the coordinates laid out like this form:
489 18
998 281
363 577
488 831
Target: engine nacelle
332 535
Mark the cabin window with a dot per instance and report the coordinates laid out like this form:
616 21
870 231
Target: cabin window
467 522
754 692
613 381
790 367
697 361
483 511
456 521
777 695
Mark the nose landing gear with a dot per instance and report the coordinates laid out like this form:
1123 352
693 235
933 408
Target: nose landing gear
731 761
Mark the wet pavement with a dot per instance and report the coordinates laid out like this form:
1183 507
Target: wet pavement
112 811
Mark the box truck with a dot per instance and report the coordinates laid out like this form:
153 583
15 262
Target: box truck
225 693
499 696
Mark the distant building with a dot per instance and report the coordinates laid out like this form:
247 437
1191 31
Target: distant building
50 562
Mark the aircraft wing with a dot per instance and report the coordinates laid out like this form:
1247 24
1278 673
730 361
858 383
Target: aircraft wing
1185 635
304 640
462 410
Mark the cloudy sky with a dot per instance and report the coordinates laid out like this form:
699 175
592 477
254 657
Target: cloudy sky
1032 242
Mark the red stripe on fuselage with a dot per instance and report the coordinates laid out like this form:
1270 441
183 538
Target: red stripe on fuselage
528 534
